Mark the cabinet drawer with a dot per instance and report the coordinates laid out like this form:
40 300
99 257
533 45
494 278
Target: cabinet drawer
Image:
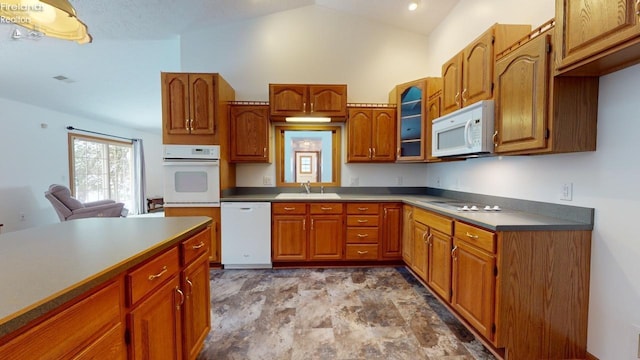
434 221
152 274
325 208
363 220
289 208
478 237
363 208
362 251
361 235
195 246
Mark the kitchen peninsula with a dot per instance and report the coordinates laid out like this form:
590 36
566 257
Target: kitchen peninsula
89 286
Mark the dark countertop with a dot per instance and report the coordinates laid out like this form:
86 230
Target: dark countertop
44 267
516 215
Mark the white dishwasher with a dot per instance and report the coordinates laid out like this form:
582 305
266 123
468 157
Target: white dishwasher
246 235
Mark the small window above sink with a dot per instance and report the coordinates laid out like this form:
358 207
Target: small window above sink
307 196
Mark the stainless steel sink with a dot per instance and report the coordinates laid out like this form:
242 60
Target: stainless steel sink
315 196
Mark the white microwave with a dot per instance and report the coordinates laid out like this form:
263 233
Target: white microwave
464 132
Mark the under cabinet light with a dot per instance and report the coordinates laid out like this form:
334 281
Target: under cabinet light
308 119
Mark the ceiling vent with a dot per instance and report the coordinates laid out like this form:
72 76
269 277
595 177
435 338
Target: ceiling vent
64 79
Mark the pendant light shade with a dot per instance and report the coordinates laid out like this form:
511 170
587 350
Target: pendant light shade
54 18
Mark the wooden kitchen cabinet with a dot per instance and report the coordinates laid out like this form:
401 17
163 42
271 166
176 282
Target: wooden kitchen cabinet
249 129
197 317
597 37
439 260
91 328
413 134
474 277
391 237
289 231
363 231
434 106
420 234
536 112
371 134
407 234
156 324
214 236
192 107
325 232
308 100
468 76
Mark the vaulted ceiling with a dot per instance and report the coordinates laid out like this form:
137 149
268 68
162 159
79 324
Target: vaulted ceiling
110 85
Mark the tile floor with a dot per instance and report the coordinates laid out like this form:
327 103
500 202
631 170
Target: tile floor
362 313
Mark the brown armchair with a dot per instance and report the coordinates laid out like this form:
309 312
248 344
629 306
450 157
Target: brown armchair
69 208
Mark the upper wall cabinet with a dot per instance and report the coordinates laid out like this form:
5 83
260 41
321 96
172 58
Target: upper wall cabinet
597 37
468 77
191 109
249 128
371 134
536 112
291 100
414 118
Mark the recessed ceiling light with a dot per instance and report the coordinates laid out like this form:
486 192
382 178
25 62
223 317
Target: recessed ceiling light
413 5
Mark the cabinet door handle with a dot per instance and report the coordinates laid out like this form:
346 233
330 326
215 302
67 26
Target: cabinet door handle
186 124
457 98
385 213
264 152
472 236
312 224
464 98
155 276
453 252
429 239
363 208
369 153
424 235
362 252
198 246
312 107
190 287
326 208
304 106
495 135
362 221
289 208
181 302
374 152
304 224
363 235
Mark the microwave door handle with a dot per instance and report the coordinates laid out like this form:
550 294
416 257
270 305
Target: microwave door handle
467 134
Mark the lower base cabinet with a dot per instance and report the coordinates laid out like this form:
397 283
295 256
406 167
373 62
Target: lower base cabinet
197 317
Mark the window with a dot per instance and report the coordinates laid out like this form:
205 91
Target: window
101 169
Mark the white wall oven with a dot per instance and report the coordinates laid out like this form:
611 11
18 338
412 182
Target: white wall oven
191 175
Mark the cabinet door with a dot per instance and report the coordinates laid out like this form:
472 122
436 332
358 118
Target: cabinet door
477 70
156 331
433 112
411 120
407 234
383 135
249 133
328 100
359 135
392 231
522 98
420 233
288 100
289 237
175 103
451 83
202 104
197 318
439 260
325 237
590 27
474 286
214 214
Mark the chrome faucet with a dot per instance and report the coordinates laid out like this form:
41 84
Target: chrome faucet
307 186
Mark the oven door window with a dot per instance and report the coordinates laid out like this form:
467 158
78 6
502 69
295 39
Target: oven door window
191 182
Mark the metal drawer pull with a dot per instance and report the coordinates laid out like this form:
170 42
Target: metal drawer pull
363 252
472 236
190 287
179 304
362 221
196 247
363 208
289 208
453 252
153 277
326 208
363 235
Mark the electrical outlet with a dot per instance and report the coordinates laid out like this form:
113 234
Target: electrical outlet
437 181
267 180
567 192
355 181
22 217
